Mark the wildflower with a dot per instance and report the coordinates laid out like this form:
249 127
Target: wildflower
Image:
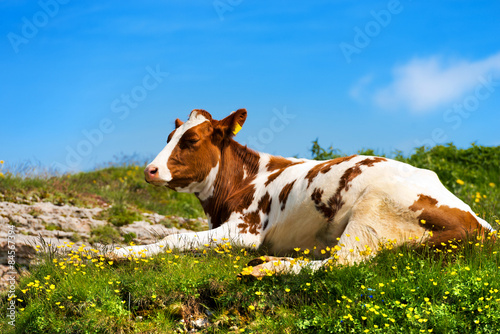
258 293
491 184
251 307
1 162
153 296
460 182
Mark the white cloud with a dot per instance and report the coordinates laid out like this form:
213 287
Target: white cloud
422 85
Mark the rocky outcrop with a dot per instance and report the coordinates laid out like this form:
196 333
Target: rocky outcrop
65 225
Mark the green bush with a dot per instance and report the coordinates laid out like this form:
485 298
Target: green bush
129 237
105 234
120 215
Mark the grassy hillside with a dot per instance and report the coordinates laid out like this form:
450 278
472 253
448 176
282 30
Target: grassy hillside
122 186
454 290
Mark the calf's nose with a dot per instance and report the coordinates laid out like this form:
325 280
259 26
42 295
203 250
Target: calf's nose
151 173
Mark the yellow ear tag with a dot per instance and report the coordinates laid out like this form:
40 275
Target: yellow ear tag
237 128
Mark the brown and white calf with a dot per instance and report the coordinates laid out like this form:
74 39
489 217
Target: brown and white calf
278 204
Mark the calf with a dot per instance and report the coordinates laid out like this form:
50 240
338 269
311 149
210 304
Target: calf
349 204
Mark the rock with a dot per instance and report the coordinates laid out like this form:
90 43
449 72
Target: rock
57 225
149 233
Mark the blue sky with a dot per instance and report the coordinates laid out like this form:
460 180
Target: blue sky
84 81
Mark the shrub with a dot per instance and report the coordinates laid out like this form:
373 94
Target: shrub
120 215
105 234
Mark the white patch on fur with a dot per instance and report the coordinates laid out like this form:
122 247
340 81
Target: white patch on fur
205 188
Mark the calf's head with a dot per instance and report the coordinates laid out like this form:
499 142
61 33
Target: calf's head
193 151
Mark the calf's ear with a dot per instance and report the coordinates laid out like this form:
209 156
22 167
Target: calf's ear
178 123
233 123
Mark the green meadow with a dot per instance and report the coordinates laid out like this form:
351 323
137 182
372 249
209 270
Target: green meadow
455 289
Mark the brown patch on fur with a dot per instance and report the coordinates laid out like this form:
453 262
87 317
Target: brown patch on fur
279 164
273 177
264 226
285 192
335 202
232 192
324 209
446 223
252 223
325 167
193 157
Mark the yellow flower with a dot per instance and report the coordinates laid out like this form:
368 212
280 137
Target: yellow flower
460 182
287 290
251 307
1 162
491 184
153 296
258 293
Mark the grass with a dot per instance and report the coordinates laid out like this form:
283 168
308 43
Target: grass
401 290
